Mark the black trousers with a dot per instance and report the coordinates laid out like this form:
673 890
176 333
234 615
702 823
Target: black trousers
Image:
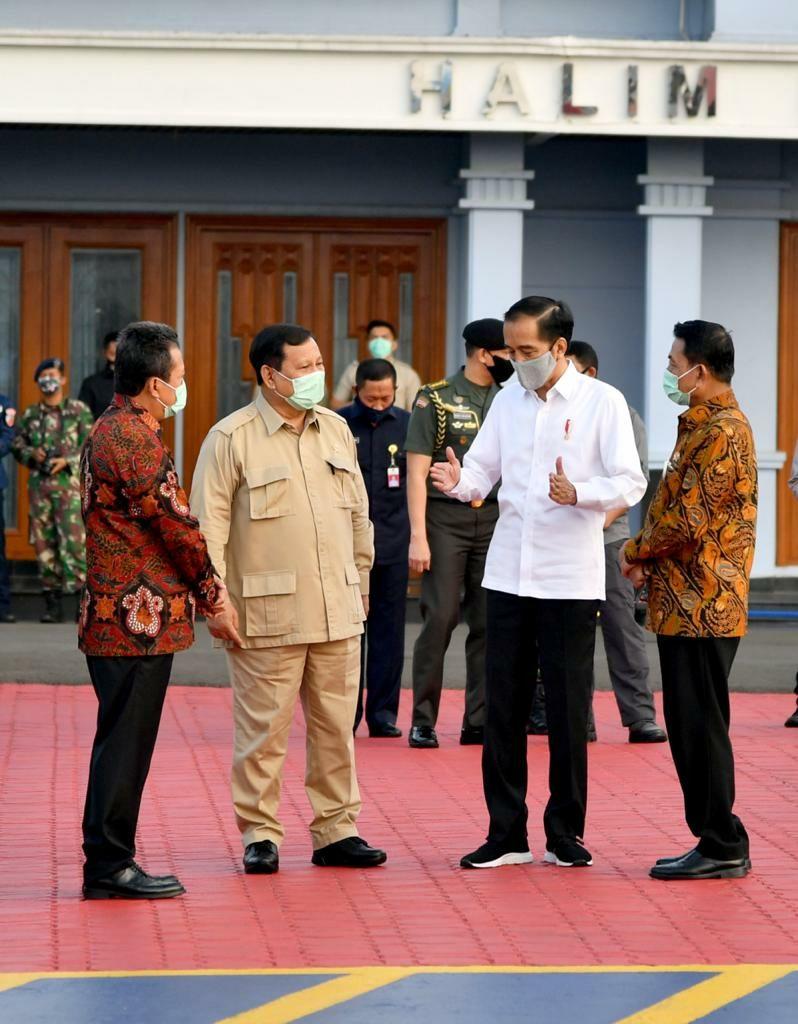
695 693
5 584
565 634
382 654
459 537
131 693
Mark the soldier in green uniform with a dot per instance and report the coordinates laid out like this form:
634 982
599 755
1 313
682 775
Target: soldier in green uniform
49 440
449 541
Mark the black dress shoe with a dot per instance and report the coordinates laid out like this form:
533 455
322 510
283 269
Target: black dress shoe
792 721
7 619
537 724
353 852
131 883
696 865
672 860
472 736
647 732
261 858
422 736
389 731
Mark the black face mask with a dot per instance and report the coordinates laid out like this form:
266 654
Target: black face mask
374 416
501 370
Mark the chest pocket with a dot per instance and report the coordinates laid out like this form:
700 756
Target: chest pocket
344 486
269 492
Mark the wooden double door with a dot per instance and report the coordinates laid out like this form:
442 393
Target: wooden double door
65 282
331 276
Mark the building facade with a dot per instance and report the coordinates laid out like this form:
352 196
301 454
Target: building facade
425 162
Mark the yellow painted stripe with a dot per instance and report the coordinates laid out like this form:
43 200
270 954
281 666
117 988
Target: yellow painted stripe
320 997
697 1001
9 981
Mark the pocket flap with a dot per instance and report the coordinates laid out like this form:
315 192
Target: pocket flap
260 475
352 573
266 584
339 460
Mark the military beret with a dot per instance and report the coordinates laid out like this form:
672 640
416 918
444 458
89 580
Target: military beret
53 363
487 333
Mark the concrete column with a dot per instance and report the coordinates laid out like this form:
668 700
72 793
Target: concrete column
495 201
675 206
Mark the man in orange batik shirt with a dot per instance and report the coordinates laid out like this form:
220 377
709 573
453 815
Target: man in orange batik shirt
695 553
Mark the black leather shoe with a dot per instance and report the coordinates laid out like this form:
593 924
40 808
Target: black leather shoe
353 852
472 736
537 724
261 858
7 619
131 883
422 736
647 732
695 865
672 860
792 721
385 731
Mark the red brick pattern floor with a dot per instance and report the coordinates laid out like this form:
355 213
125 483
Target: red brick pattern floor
426 808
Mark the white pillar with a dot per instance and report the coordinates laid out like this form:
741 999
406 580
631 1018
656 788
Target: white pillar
495 199
675 205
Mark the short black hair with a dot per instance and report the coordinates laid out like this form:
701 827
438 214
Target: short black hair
374 369
381 323
268 345
584 353
145 350
709 344
555 319
110 337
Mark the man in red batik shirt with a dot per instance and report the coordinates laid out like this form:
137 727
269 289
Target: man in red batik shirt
148 572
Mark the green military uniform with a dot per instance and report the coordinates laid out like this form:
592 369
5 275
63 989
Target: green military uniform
449 414
56 523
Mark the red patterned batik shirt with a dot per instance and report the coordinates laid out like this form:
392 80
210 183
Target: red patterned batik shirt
148 565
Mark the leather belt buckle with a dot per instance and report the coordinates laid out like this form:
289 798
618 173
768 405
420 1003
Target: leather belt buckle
477 504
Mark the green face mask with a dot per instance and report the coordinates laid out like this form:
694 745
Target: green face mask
670 385
308 390
380 348
181 399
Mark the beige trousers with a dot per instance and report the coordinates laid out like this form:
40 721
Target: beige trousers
266 682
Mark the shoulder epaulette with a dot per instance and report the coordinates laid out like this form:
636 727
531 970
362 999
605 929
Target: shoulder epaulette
436 385
236 419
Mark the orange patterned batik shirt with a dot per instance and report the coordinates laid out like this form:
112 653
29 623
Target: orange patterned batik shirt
697 544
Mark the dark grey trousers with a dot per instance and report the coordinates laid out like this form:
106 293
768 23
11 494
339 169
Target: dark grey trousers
459 537
624 644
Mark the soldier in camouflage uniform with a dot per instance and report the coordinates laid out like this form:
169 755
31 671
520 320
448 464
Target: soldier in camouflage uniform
49 439
449 540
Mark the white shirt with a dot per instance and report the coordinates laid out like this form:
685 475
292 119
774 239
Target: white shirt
539 548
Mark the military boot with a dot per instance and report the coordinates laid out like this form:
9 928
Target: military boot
53 611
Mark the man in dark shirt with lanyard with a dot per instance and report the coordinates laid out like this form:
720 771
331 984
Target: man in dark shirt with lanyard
448 540
380 428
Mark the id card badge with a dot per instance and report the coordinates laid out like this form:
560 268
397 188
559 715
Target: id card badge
394 479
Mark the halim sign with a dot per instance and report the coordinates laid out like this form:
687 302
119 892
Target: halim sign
605 87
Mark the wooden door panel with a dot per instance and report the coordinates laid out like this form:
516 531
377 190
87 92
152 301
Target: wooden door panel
787 505
28 240
257 254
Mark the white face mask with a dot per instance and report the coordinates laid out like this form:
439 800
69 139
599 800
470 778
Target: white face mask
534 373
670 385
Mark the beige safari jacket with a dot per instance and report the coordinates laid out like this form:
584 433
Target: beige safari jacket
286 520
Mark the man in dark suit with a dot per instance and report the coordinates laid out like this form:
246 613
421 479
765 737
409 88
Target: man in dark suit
380 429
97 391
7 417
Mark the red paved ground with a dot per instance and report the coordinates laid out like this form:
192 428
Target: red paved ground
426 808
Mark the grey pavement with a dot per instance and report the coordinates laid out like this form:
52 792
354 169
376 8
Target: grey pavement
32 653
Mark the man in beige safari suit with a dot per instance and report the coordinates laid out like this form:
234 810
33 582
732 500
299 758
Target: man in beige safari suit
282 505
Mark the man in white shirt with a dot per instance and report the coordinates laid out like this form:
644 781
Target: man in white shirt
562 445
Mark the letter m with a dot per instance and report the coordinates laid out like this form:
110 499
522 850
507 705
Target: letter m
692 98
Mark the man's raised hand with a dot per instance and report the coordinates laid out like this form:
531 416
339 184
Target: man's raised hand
561 490
446 475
